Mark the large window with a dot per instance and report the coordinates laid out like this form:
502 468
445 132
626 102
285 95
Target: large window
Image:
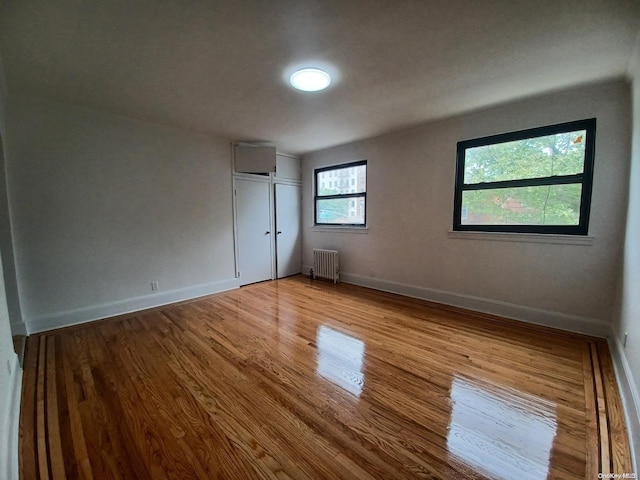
341 194
530 181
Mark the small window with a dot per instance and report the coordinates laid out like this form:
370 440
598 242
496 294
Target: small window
334 205
530 181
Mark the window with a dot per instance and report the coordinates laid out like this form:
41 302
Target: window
334 205
530 181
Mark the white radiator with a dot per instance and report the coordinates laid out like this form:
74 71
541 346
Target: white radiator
326 264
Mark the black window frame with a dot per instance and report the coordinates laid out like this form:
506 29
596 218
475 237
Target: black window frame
585 179
317 197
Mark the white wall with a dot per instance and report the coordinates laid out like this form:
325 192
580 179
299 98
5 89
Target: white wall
629 319
10 373
10 389
410 209
6 243
104 205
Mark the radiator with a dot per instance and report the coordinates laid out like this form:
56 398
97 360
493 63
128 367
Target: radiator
326 264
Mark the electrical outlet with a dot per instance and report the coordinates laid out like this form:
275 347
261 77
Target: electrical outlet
154 286
624 340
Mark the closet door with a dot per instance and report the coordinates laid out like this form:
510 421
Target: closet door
253 217
288 241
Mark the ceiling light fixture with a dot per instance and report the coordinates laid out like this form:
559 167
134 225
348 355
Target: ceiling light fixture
310 79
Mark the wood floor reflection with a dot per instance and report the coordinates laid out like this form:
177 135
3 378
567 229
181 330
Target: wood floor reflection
303 379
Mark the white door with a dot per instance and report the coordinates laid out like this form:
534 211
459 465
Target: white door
253 217
288 241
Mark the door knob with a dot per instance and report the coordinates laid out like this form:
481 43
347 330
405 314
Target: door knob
278 233
267 232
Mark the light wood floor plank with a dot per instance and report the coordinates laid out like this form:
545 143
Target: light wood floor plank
41 411
620 453
56 459
296 379
78 464
28 442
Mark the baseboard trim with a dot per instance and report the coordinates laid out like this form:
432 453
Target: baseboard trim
537 316
630 396
106 310
10 443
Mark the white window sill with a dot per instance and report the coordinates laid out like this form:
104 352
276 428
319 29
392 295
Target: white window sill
337 228
524 237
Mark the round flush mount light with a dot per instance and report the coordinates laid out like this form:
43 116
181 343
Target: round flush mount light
310 79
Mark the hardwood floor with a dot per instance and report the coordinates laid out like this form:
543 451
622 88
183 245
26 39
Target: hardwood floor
303 379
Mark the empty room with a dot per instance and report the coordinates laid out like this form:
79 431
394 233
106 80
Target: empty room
319 239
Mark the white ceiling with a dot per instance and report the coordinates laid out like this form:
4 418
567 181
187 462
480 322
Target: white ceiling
220 67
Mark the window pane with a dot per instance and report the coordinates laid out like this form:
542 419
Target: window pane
543 205
341 210
346 179
559 154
